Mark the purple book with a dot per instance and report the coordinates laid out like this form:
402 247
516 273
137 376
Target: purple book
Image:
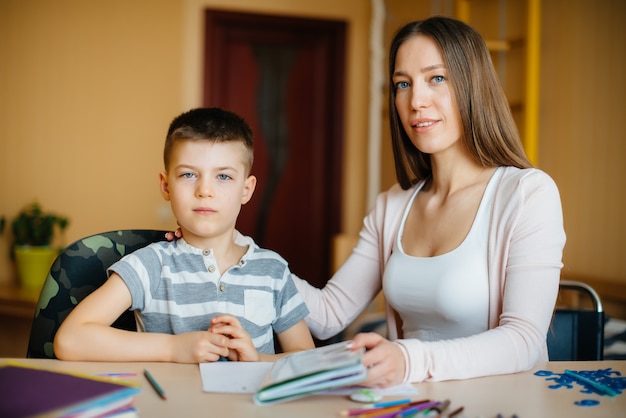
27 391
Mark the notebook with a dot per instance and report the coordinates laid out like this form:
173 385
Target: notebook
29 391
311 371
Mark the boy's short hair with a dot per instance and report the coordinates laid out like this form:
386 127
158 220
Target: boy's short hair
212 124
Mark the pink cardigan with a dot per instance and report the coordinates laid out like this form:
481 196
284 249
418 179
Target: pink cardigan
526 241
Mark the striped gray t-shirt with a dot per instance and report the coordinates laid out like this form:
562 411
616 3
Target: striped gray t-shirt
177 288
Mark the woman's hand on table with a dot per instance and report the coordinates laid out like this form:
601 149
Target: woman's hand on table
383 359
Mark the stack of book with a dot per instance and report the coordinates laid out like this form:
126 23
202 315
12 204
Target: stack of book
29 391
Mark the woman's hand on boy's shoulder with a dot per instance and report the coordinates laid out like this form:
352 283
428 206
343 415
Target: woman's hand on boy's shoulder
173 235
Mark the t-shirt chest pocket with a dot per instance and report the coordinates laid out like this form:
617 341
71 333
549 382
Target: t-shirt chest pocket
259 306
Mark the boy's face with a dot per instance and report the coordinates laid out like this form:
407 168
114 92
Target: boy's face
206 184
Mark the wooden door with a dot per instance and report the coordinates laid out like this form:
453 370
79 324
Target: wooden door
285 76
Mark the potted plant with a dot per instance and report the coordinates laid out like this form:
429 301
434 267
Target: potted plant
33 235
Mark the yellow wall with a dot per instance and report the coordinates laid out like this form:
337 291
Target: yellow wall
88 88
582 125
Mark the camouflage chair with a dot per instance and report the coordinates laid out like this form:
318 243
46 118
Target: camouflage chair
77 271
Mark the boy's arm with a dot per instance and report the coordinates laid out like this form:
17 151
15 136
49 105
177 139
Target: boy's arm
296 338
86 334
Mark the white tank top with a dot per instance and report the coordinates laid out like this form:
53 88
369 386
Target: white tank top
444 296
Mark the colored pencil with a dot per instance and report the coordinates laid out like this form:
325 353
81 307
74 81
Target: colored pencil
456 411
376 412
124 374
159 390
439 409
597 386
375 406
407 412
390 403
410 409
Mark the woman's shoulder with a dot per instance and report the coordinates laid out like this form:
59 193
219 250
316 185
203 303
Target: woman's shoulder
522 187
525 179
390 202
396 194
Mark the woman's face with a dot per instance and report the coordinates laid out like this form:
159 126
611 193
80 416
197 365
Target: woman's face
424 98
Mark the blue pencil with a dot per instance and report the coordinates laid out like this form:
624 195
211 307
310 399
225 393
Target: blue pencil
413 410
390 403
597 386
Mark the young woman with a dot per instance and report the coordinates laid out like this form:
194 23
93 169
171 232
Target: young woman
467 248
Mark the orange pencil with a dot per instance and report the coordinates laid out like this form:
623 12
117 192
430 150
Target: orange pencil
396 411
379 411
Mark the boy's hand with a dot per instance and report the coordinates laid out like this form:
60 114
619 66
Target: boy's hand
239 343
199 347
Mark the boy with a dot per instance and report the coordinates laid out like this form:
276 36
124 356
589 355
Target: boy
203 297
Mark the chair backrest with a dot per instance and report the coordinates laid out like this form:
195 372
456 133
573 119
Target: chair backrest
77 271
577 334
